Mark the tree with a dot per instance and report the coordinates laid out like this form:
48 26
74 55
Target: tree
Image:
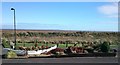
67 42
75 44
36 43
57 44
105 47
47 43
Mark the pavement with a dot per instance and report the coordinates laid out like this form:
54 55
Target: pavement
64 60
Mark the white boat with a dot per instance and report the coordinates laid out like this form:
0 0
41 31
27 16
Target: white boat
24 52
41 51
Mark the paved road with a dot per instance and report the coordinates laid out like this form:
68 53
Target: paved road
64 60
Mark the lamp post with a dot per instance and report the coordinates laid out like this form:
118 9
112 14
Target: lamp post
14 28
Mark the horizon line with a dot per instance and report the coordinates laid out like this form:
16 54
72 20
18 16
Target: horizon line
61 30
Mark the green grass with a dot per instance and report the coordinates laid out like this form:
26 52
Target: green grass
49 45
40 44
62 46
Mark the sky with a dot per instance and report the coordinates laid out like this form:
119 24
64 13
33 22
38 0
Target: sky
82 16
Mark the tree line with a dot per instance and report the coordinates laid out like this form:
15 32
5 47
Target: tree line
53 34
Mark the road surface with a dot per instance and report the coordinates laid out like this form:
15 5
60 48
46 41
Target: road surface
64 60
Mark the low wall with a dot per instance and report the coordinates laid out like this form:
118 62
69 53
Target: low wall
80 55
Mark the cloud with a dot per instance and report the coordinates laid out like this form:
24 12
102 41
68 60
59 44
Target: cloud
110 10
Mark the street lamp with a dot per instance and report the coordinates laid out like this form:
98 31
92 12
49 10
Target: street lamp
14 28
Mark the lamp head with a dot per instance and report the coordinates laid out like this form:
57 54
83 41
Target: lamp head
12 9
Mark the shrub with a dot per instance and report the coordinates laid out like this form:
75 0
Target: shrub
11 54
57 50
90 50
105 47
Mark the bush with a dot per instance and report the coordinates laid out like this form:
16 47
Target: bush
5 44
105 47
11 54
90 50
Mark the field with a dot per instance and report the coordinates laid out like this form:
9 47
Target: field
28 38
60 35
